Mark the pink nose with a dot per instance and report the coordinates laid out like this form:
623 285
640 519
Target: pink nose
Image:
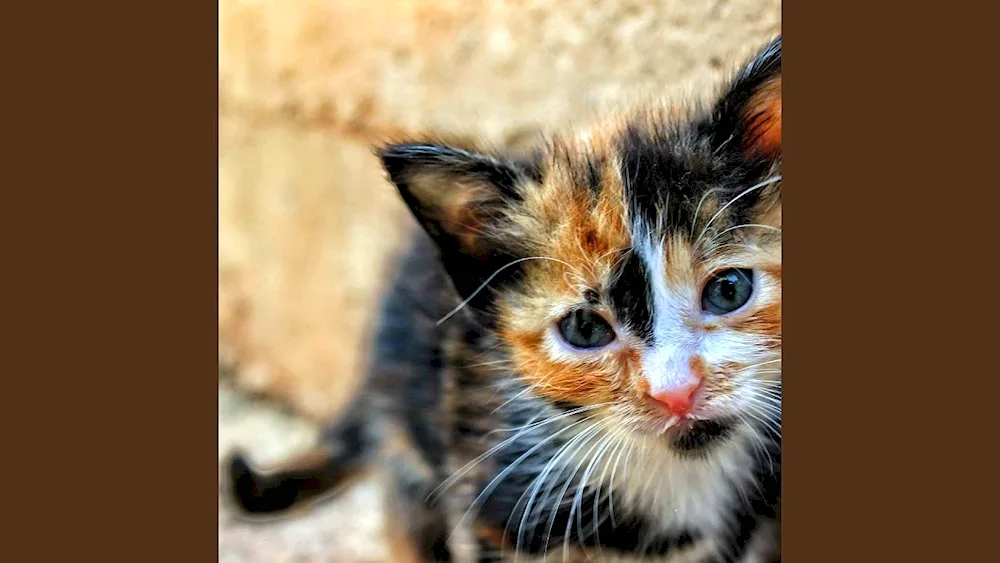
677 400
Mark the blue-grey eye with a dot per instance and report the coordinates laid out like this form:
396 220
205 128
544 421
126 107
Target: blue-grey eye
727 291
586 329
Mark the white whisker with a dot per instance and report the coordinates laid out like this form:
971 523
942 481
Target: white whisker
758 186
524 429
744 226
489 279
488 490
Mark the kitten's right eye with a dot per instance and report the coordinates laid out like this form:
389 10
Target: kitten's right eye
586 329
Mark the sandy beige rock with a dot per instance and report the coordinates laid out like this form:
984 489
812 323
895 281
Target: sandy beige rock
306 224
493 65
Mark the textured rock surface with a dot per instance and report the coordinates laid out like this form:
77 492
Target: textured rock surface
307 226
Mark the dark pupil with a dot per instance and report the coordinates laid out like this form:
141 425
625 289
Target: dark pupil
728 289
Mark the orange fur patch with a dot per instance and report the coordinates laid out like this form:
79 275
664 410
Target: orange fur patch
492 535
578 382
773 271
698 368
763 117
575 226
680 273
310 460
765 321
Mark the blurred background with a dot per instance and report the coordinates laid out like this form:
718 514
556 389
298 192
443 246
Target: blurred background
307 224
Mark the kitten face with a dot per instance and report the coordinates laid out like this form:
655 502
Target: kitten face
637 266
662 300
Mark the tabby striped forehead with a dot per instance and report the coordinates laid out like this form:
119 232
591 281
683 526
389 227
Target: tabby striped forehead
606 201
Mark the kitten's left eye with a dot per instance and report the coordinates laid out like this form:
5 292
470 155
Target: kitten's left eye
586 329
727 291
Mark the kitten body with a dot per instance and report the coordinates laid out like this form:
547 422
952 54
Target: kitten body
532 375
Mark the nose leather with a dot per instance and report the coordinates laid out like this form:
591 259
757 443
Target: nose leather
677 400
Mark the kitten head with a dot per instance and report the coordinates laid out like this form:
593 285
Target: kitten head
637 266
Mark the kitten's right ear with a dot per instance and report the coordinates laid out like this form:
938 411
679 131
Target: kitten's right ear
747 118
459 196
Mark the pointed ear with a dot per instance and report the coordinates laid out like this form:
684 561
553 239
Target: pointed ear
459 196
748 116
464 199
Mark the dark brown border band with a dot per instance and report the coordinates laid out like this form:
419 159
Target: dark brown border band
882 136
110 217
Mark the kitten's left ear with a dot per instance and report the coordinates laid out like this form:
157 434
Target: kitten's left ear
463 199
748 116
458 195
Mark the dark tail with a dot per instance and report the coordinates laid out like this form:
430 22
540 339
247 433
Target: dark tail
343 453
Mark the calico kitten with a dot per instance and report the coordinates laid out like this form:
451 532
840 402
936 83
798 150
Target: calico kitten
581 353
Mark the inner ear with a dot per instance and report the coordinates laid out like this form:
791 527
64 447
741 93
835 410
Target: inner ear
762 121
455 207
459 196
748 115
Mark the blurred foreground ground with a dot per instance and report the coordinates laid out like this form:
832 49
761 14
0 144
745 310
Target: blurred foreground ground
307 225
334 531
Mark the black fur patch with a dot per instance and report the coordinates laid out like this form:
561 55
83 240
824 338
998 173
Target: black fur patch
671 179
555 521
593 175
659 185
262 494
630 295
702 435
403 160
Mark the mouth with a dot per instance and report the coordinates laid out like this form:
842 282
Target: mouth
682 425
690 435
